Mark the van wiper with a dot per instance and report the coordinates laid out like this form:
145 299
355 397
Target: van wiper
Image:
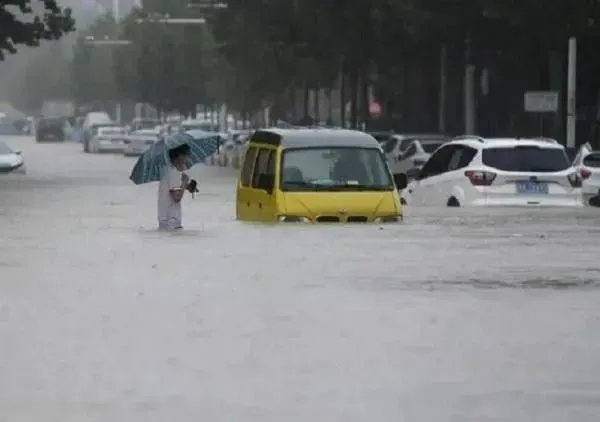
321 187
300 184
354 186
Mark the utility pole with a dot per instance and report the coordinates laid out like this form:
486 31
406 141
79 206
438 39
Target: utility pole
571 93
443 83
117 17
469 86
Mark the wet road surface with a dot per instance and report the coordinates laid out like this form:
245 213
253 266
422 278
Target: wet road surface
455 315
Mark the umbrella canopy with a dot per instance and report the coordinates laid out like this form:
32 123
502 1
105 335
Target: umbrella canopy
149 167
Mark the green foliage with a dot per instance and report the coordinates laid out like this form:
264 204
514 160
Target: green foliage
254 53
165 64
17 27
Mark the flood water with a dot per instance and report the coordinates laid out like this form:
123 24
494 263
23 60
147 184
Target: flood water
455 315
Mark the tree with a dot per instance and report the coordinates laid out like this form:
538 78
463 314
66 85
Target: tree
50 23
166 65
92 66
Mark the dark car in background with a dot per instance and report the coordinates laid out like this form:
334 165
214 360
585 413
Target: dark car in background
50 129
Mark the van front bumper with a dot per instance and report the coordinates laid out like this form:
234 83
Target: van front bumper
340 219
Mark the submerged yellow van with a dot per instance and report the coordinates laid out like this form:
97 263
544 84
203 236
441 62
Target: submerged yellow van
317 175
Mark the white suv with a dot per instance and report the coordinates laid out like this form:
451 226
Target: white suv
475 171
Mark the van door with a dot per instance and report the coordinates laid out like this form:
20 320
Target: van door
244 190
263 185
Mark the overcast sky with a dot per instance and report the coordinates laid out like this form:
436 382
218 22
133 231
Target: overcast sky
84 11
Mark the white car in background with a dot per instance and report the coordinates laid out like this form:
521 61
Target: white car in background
11 161
198 124
140 123
397 144
233 148
138 142
587 162
474 171
108 139
416 155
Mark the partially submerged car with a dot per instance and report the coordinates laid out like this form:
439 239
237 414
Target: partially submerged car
11 160
138 142
51 129
474 171
587 163
316 175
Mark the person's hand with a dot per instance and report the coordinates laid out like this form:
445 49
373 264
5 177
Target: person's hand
185 178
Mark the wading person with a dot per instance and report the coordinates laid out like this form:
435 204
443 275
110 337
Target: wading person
171 189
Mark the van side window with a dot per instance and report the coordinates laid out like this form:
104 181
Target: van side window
264 165
246 174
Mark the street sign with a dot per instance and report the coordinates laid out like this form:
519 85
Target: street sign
375 109
541 101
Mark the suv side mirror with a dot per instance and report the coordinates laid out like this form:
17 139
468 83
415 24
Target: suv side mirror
266 182
400 180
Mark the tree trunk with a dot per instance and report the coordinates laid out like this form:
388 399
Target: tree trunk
354 97
306 102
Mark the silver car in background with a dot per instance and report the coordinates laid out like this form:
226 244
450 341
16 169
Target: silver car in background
415 155
138 142
108 139
587 163
11 160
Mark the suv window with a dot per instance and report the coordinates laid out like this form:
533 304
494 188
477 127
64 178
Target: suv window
461 157
439 162
246 175
526 158
429 147
592 160
50 123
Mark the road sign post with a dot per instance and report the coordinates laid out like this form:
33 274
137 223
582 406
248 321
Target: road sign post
541 102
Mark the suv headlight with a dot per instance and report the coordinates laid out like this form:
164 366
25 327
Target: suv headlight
293 219
388 219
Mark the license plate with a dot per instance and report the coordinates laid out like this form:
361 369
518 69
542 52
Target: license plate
532 188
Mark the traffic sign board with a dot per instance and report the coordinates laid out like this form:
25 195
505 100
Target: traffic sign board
375 109
541 101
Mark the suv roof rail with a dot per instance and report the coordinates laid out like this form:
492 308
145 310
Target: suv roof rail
546 139
469 137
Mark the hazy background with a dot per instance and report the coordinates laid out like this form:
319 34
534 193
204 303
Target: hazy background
84 11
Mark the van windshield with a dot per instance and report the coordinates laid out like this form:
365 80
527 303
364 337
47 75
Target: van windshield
334 169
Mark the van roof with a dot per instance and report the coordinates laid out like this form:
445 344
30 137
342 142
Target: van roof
314 137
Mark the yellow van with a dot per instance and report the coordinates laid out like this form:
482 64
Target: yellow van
317 175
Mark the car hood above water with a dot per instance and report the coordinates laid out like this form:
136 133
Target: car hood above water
10 160
315 204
